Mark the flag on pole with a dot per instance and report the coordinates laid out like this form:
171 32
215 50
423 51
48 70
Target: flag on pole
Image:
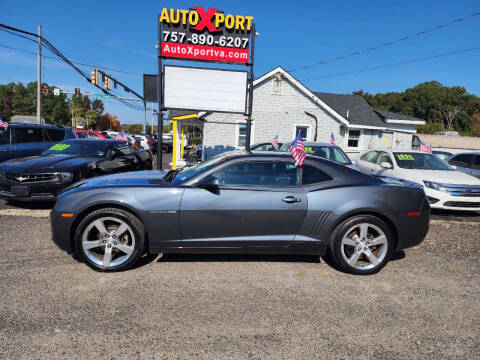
3 123
297 149
121 136
275 142
425 148
332 139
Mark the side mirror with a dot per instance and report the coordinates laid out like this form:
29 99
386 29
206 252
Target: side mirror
209 183
386 165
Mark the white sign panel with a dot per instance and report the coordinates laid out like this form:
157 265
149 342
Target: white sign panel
205 89
56 91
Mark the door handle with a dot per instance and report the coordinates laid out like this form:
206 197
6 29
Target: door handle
291 199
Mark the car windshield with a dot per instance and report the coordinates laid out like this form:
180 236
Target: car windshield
421 161
81 148
187 173
333 153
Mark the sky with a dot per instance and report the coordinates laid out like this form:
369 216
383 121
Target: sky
122 35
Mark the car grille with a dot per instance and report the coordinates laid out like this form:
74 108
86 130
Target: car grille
463 190
31 178
464 204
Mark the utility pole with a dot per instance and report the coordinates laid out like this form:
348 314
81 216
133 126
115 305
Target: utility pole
144 117
39 76
151 129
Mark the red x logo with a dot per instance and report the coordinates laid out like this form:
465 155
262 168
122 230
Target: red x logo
205 19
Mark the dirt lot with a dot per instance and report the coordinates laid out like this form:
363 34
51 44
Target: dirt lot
423 305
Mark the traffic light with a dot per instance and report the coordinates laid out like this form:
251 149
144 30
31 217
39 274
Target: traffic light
94 77
107 83
77 92
44 90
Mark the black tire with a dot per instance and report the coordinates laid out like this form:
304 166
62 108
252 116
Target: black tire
147 165
136 226
336 249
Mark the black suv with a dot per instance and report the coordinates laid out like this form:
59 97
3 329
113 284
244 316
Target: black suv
22 140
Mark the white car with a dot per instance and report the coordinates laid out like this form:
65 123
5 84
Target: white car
143 141
445 187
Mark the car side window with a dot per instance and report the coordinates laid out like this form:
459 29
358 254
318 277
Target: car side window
55 134
463 160
313 175
476 163
27 135
384 157
370 156
259 173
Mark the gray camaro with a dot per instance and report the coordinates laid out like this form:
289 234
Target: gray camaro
241 203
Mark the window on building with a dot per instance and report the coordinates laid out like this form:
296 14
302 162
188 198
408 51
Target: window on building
302 130
277 84
242 135
353 138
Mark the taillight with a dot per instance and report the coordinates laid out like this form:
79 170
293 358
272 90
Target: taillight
414 213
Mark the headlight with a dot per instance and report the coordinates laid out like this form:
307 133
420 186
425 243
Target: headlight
65 176
434 185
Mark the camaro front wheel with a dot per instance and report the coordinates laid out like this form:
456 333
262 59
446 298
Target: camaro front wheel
110 239
362 245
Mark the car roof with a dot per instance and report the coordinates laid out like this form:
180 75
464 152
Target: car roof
94 141
466 153
36 125
314 143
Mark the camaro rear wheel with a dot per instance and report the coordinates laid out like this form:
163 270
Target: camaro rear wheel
362 245
110 239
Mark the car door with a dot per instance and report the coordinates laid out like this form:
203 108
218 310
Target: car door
28 141
257 204
367 163
463 163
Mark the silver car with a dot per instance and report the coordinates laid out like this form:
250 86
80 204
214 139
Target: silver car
466 162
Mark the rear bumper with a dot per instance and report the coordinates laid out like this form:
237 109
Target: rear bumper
412 229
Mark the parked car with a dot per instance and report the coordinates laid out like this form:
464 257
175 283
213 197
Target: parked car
266 146
445 187
466 162
325 150
109 134
241 202
41 178
143 141
20 140
90 134
442 154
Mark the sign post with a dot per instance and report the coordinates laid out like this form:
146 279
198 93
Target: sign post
204 35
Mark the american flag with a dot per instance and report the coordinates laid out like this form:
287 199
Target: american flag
3 123
121 136
332 139
425 148
275 141
298 150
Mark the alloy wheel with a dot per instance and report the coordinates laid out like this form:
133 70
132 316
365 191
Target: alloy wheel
364 246
108 242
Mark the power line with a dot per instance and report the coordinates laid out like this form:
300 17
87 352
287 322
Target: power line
78 63
394 64
407 37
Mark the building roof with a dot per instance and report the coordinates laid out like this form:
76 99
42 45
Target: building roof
451 142
354 108
394 117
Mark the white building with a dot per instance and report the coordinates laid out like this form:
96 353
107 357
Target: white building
283 106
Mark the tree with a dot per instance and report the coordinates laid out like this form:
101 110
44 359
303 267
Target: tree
6 100
107 122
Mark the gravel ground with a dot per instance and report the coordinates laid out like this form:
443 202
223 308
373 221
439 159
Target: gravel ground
422 305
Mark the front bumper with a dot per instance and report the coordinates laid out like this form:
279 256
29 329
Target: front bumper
445 201
61 228
33 192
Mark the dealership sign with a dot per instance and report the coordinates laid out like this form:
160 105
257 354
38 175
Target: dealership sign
205 35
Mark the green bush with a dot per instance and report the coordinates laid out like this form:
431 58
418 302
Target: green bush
197 140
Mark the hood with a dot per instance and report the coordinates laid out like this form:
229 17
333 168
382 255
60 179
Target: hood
46 163
134 178
439 176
